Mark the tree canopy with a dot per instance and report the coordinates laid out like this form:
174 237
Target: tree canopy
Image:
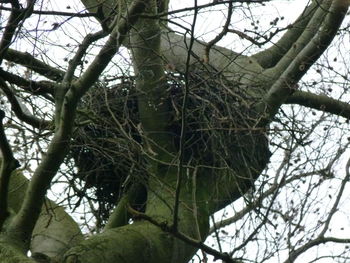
161 131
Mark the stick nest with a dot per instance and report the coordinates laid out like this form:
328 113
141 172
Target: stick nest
108 149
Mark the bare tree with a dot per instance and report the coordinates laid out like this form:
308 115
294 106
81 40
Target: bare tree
143 131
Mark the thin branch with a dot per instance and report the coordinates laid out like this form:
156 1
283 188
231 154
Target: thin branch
22 225
321 239
33 87
111 47
334 208
18 109
257 202
320 102
76 60
221 34
256 42
312 29
16 17
62 88
199 7
245 36
193 242
273 190
312 243
183 124
55 13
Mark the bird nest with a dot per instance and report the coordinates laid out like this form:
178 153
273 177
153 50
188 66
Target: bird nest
107 145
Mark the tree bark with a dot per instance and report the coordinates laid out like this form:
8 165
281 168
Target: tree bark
55 231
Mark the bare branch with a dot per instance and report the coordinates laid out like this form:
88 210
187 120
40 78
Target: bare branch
8 165
33 87
22 225
27 60
193 242
73 63
320 102
321 239
55 13
62 89
16 17
174 48
269 57
180 170
312 29
286 83
20 112
257 202
221 34
112 46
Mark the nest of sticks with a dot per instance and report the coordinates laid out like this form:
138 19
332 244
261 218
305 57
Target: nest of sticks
107 146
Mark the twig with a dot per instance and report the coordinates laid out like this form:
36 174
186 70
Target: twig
22 225
18 109
221 34
17 15
183 122
55 13
321 239
193 242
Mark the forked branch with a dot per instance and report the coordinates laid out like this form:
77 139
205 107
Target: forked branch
21 227
285 85
270 56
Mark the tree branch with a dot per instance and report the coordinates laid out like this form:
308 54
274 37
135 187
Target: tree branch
193 242
312 29
320 102
27 60
111 47
17 15
321 239
285 84
221 34
21 227
270 56
180 168
34 87
19 110
257 202
62 88
152 99
174 48
8 164
55 231
55 13
119 216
